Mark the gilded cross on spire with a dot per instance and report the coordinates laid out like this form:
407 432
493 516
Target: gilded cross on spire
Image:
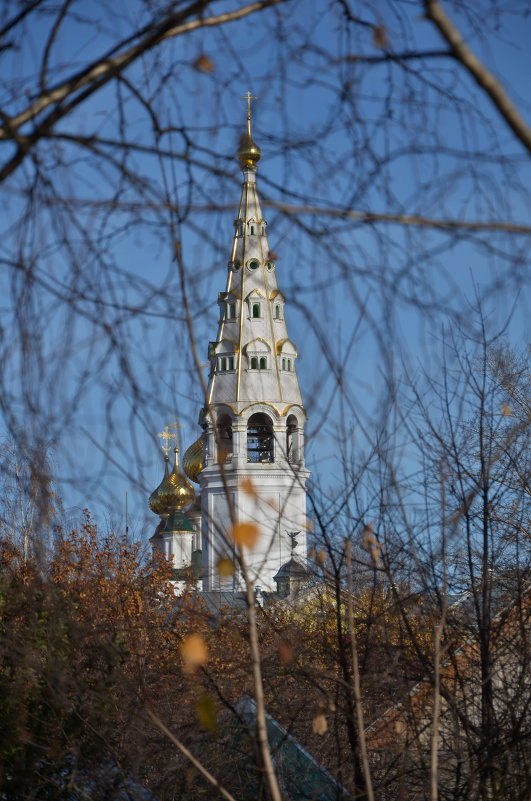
170 436
248 97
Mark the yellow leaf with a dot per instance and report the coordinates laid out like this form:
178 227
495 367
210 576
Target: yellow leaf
321 557
194 652
206 710
506 410
319 724
245 534
225 567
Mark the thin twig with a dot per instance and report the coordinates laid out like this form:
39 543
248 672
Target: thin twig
356 677
184 750
261 725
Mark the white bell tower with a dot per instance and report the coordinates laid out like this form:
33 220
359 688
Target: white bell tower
253 441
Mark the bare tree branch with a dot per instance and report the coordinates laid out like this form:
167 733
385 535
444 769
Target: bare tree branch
188 754
479 72
104 69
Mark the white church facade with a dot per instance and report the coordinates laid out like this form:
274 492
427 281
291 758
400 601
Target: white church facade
249 461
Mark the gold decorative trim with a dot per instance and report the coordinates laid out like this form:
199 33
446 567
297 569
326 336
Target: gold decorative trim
280 344
257 339
233 342
294 406
262 403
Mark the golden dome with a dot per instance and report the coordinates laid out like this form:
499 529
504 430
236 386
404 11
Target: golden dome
248 152
173 493
193 460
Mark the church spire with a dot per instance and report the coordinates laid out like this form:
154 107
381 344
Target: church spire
253 358
254 418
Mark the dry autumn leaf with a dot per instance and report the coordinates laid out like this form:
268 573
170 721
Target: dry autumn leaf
506 410
204 64
194 652
285 652
321 557
245 534
225 567
371 544
320 724
379 37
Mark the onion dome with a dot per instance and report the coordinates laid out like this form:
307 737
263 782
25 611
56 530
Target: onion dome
154 500
193 460
248 152
173 493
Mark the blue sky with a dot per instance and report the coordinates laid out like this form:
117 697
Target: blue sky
373 297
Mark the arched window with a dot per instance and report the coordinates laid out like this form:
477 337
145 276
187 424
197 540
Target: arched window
252 230
263 363
291 432
260 439
224 438
231 311
277 311
256 310
286 364
254 362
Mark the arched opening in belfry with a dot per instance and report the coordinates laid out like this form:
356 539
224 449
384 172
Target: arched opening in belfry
224 438
291 438
260 439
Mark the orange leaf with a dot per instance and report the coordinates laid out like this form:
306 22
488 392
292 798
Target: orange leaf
204 64
245 534
248 487
194 652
